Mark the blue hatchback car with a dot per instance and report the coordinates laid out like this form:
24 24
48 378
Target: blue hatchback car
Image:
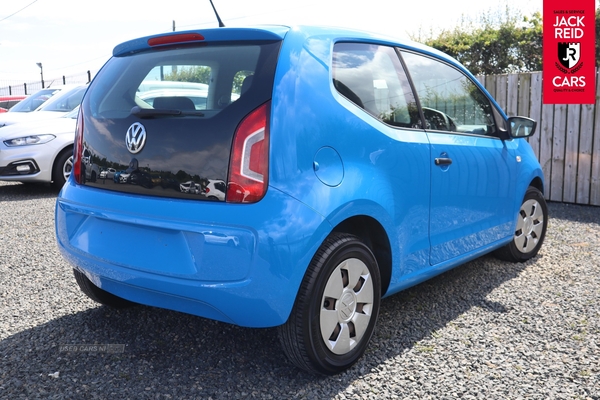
353 166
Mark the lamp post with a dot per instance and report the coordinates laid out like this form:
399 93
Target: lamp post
41 73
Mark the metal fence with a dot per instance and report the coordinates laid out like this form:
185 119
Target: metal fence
15 87
567 141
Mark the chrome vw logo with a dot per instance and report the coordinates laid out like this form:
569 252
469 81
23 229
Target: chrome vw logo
347 306
135 139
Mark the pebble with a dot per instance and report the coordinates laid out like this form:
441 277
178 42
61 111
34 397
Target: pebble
485 330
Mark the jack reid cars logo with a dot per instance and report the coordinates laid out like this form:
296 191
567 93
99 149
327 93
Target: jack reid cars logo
135 139
569 53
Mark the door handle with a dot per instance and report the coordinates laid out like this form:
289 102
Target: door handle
443 161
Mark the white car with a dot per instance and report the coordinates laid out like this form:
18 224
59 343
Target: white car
35 101
150 85
215 189
123 177
108 173
63 100
198 97
38 151
190 187
148 91
90 168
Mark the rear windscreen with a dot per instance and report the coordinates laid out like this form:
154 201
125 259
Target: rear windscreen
188 100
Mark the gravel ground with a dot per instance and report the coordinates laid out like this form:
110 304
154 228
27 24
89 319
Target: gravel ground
486 330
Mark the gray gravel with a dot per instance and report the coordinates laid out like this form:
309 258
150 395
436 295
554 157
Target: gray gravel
486 330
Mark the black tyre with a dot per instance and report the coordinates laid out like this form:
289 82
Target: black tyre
336 308
99 295
532 222
63 166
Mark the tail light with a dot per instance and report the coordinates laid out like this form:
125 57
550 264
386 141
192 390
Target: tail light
176 38
78 150
249 166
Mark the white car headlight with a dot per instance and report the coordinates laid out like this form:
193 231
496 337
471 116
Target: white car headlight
29 140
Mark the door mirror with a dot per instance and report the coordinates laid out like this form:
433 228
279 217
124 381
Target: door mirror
521 127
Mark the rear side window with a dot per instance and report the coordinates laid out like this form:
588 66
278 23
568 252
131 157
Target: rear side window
34 101
449 99
66 102
372 77
8 103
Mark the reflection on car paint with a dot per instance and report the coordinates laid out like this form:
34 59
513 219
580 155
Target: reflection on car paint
220 238
146 178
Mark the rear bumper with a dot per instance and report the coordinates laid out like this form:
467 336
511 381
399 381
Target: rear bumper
240 264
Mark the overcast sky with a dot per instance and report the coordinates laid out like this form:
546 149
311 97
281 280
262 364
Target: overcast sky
70 37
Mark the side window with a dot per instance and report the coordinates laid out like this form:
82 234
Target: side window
241 83
449 99
66 102
372 77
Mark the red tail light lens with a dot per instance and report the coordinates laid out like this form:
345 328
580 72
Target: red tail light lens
249 166
78 150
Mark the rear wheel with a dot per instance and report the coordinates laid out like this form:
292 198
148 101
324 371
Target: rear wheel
63 166
336 308
532 221
99 295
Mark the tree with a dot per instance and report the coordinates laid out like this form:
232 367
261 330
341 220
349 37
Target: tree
201 74
495 44
597 37
499 43
191 74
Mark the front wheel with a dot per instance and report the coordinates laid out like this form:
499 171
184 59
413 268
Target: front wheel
63 166
336 308
532 221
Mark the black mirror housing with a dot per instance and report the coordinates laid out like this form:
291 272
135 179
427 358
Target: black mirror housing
521 127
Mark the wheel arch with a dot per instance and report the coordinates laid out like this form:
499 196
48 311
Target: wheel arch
373 234
65 150
537 183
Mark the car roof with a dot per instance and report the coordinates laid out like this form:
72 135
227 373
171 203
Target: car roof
346 34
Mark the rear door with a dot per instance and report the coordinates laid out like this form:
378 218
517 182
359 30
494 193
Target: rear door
473 171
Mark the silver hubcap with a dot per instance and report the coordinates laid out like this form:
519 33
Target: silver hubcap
530 224
67 168
346 306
